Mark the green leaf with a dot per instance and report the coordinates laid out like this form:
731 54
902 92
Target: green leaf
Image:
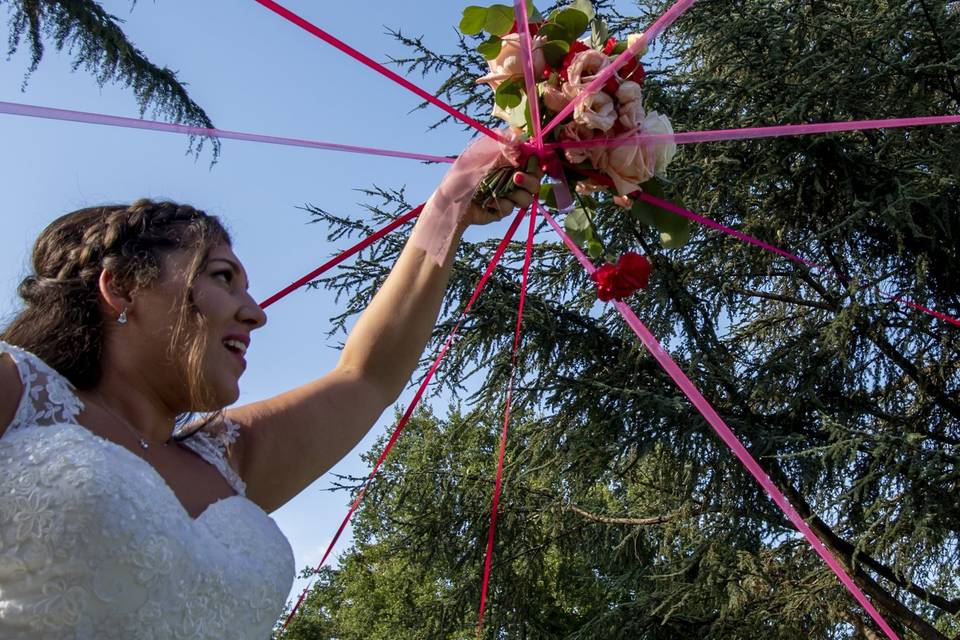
509 94
577 220
586 7
594 248
674 229
499 19
554 51
574 22
547 196
473 20
490 48
644 212
533 15
678 236
551 31
598 33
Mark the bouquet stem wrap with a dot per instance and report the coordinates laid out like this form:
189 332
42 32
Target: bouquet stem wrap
444 212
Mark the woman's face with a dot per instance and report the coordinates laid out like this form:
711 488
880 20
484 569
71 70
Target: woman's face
229 314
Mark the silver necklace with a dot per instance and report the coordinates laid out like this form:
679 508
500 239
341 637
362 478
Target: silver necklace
143 441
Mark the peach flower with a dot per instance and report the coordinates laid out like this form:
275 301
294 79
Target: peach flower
630 107
575 132
627 165
584 67
509 62
554 98
596 111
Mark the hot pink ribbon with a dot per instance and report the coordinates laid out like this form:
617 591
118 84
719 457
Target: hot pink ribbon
501 248
749 133
727 436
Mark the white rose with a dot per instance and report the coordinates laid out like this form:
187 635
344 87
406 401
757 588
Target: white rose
661 154
628 165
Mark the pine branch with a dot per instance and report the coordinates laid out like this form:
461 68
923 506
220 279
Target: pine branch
97 43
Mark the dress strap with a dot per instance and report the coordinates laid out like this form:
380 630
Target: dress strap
48 398
211 443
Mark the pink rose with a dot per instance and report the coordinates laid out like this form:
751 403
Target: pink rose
584 67
509 62
627 165
554 98
596 111
630 107
575 132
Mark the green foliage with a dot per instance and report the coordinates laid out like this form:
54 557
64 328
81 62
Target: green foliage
99 46
623 516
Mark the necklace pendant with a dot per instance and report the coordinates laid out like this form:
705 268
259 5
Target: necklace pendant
143 444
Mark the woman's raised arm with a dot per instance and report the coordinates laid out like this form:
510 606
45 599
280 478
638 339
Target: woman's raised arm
290 440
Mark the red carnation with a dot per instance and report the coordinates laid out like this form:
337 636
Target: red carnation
608 48
534 28
616 282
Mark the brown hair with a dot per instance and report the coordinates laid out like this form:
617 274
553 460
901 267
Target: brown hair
62 322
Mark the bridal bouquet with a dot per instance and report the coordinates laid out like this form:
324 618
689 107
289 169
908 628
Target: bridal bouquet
565 60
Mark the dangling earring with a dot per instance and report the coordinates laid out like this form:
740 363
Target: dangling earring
122 318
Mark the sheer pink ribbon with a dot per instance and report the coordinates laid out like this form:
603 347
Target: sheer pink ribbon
727 436
29 110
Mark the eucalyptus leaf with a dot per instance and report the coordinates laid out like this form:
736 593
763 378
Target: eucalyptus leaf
594 248
499 20
586 7
674 229
509 94
577 220
554 52
533 15
573 21
473 21
490 48
644 212
547 196
555 32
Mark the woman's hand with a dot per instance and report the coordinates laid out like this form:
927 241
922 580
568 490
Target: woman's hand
528 188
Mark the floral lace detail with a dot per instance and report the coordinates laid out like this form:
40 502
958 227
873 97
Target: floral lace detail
211 444
47 397
94 544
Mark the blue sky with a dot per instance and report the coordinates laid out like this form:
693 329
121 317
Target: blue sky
251 71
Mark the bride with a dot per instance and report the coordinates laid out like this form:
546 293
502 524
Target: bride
114 524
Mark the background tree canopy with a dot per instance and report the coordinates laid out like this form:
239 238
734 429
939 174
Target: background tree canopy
622 515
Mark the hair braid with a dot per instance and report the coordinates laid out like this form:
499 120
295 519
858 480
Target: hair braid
63 321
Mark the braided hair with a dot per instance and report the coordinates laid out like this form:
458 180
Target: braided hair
62 321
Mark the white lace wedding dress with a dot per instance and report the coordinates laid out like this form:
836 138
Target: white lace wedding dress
95 545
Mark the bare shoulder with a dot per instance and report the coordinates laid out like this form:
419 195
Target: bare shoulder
10 391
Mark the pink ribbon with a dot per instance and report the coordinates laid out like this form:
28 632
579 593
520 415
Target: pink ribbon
680 211
498 480
664 21
749 133
29 110
311 28
727 436
416 399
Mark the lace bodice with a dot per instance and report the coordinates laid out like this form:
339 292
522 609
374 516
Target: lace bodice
94 543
